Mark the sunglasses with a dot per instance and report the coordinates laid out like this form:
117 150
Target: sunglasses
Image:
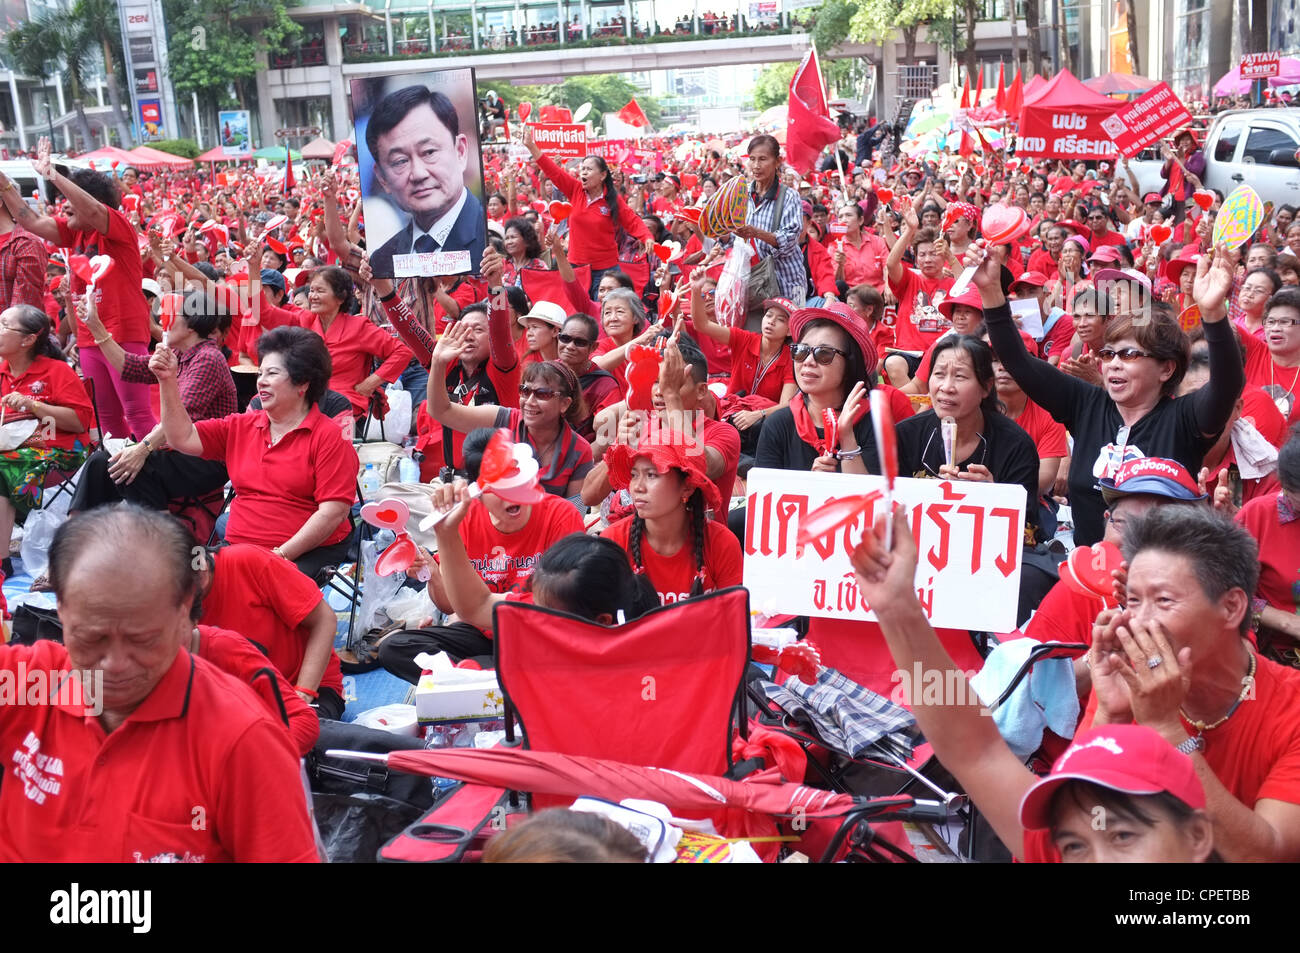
1126 354
821 353
570 339
541 393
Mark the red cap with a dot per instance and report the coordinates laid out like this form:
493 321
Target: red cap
1035 278
666 449
971 296
1158 476
1189 255
785 304
1105 253
1131 759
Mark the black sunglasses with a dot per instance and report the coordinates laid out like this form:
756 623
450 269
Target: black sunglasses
1126 354
541 393
822 353
570 339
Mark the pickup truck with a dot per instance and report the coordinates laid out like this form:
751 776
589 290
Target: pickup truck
1255 146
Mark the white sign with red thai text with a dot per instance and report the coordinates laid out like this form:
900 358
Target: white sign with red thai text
560 140
969 538
1261 65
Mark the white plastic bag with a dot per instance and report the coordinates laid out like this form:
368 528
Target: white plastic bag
397 422
410 607
376 590
732 285
38 534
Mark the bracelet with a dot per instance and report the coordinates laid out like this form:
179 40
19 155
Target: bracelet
848 454
306 691
99 341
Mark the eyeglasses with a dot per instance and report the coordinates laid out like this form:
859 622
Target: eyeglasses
709 294
821 353
541 393
570 339
1126 354
1281 322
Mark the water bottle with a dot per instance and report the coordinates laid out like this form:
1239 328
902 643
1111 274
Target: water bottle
370 482
408 471
438 737
384 538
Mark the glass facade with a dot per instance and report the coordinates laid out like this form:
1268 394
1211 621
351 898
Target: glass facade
1191 79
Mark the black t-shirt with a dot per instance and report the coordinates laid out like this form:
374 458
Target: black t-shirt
781 448
1007 451
1177 428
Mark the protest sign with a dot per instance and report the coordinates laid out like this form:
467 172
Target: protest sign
560 140
607 149
1260 65
1147 119
969 537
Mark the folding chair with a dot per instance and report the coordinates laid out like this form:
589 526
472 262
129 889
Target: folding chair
64 481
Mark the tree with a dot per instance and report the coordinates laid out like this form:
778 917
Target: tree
876 20
607 93
773 86
99 20
48 43
214 46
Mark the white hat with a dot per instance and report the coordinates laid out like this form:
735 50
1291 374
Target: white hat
149 286
552 314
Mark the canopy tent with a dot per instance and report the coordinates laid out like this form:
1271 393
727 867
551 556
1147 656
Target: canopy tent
1231 83
218 154
1120 84
107 155
1033 85
159 159
319 148
276 154
1062 119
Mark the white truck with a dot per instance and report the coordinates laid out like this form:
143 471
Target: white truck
1256 146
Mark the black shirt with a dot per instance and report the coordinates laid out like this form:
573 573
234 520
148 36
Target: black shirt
1007 451
1177 428
781 448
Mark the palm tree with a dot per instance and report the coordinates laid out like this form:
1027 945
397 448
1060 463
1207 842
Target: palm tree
99 20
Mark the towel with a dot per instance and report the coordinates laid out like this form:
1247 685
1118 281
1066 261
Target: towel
1046 698
1256 457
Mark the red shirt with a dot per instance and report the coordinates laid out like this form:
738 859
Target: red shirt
1279 552
820 268
118 300
1057 340
1064 616
353 341
506 561
725 439
672 576
593 239
51 382
1280 383
915 289
267 600
749 374
1042 261
279 488
237 656
201 746
1048 435
865 263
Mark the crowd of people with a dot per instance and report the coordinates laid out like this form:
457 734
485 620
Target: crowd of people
1139 383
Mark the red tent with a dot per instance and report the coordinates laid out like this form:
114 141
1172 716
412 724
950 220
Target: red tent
1062 119
148 157
1120 84
105 156
1032 86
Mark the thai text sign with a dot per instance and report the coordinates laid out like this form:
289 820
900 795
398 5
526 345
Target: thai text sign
1147 119
969 537
560 140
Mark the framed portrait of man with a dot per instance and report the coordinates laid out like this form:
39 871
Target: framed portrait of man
421 173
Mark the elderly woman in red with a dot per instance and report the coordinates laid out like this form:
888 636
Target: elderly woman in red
37 389
293 471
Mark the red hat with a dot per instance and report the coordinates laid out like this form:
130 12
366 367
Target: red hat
845 317
666 449
1035 278
1157 476
785 304
1131 759
1152 198
971 296
1189 255
1105 253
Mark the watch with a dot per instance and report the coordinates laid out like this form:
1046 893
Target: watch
1192 745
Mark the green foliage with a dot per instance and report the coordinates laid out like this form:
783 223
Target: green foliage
607 93
214 45
875 21
773 85
831 25
185 148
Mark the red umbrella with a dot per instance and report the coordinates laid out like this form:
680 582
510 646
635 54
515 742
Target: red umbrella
547 772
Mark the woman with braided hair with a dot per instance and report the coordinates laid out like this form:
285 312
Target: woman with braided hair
551 407
670 538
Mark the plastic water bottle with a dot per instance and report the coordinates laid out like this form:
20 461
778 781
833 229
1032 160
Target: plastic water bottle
384 538
408 471
441 736
370 482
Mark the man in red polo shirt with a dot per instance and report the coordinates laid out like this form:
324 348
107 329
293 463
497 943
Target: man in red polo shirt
167 759
918 290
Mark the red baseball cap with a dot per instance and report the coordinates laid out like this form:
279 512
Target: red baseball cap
1131 759
1035 278
971 296
785 304
1158 476
1106 253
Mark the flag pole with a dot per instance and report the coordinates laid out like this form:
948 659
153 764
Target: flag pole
839 163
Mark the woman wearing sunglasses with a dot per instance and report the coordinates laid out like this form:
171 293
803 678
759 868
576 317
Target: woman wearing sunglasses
600 389
1134 413
550 404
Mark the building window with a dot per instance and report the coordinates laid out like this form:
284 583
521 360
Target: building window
1192 54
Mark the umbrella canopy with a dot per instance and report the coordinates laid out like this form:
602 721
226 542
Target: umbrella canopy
276 154
218 154
1112 84
144 154
107 155
319 148
1231 83
547 772
775 116
1081 136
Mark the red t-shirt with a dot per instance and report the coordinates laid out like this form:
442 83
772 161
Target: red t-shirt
278 488
118 301
1048 435
1064 616
1057 340
748 372
672 576
913 291
266 599
506 561
200 746
52 382
1279 552
1042 261
725 439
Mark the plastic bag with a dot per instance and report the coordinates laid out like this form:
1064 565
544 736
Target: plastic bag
397 422
411 607
732 285
38 534
376 590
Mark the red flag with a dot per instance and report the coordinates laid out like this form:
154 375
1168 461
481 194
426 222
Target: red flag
965 92
505 122
633 116
1015 97
979 87
809 127
1001 99
288 170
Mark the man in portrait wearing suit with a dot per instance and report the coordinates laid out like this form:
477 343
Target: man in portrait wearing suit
420 155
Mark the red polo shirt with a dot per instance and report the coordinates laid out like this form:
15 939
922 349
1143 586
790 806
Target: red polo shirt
278 488
267 600
748 372
50 382
199 772
118 300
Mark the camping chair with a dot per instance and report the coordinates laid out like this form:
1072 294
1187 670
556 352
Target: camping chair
665 689
64 481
